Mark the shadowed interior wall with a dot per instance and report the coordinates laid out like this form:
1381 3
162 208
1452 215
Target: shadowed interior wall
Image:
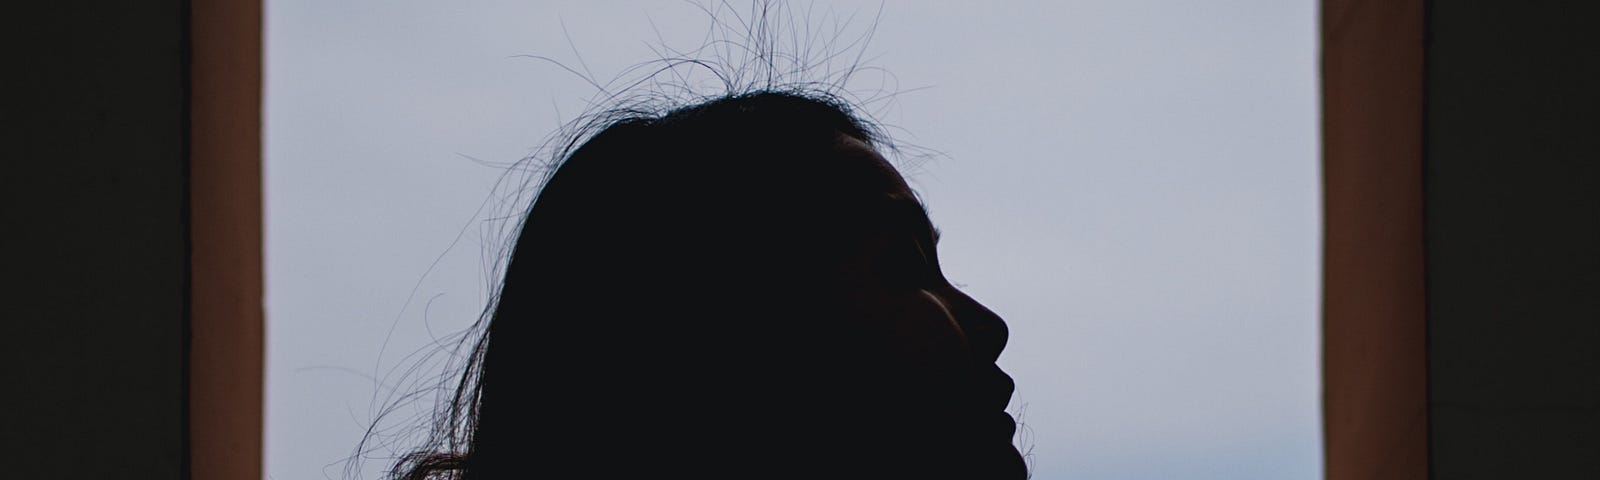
1374 324
1513 228
132 218
94 237
1461 186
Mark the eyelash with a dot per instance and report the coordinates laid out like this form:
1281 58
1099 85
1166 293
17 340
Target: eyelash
917 270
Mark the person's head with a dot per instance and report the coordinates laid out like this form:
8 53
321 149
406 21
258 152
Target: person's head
742 287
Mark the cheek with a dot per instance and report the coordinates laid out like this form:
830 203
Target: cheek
923 340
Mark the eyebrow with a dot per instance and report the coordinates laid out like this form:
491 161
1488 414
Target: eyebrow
917 214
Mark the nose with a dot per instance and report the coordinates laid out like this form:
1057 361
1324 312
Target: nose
986 332
987 335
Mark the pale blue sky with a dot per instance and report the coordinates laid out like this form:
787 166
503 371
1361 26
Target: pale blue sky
1132 184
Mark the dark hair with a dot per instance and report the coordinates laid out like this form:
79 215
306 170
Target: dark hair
665 280
666 303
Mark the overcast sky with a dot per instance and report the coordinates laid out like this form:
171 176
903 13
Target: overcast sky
1132 184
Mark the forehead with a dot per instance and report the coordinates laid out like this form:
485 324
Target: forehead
882 176
897 204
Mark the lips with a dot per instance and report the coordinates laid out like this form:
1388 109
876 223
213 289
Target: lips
1004 423
997 388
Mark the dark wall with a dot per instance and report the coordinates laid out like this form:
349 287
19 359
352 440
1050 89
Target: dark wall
94 122
1513 224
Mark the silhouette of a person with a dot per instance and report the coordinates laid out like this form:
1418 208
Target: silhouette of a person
741 288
